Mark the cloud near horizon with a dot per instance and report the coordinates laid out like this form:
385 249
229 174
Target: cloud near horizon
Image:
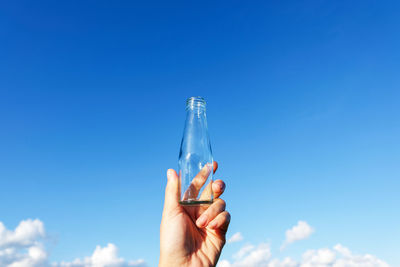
24 247
338 256
106 256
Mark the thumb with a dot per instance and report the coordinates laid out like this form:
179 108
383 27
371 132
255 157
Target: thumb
172 191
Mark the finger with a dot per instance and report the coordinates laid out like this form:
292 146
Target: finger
208 191
199 180
172 194
216 208
197 183
221 222
215 188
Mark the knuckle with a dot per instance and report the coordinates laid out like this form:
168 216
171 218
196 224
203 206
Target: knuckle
219 181
228 216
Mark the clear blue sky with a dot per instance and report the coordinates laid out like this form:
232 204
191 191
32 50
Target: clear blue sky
303 109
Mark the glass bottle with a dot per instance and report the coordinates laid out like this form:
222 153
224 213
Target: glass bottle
195 156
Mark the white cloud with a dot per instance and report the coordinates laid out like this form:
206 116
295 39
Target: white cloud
237 237
286 262
298 232
249 256
319 257
35 256
24 247
348 259
25 234
224 263
102 257
243 251
338 256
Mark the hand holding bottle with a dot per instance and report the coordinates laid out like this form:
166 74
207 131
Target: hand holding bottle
192 235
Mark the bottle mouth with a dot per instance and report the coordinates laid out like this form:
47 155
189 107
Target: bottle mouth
196 102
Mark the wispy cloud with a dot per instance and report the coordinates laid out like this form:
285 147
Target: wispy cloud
24 247
237 237
298 232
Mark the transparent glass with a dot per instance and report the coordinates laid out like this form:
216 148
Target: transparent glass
195 156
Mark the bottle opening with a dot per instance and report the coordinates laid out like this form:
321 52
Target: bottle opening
196 102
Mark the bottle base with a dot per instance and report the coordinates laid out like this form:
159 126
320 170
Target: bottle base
195 202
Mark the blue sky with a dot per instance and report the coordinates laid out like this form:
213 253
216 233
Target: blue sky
303 113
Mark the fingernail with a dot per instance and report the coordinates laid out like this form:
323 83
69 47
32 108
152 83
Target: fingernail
202 220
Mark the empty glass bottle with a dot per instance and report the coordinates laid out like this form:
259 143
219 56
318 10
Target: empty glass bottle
195 156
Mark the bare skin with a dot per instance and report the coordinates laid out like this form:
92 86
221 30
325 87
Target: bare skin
192 235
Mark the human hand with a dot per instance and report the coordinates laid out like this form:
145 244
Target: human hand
192 235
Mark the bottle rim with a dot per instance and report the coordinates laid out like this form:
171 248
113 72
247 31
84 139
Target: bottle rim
195 102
